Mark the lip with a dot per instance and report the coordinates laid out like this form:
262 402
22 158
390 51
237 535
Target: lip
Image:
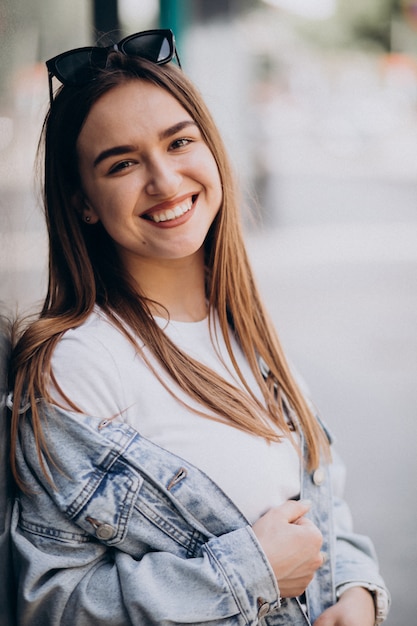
169 205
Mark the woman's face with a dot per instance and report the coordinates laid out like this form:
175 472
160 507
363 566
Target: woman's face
147 175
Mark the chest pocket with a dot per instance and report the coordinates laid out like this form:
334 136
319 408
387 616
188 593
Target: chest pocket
163 527
122 509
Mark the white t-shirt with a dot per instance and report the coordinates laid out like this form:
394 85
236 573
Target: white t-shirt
100 371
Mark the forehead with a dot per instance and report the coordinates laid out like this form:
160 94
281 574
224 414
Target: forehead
131 110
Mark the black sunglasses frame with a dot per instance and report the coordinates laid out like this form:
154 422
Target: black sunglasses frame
101 54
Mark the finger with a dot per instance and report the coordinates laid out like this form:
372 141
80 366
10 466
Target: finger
293 510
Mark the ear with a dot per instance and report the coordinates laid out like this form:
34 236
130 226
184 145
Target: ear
84 209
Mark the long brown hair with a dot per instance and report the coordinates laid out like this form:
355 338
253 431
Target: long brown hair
84 271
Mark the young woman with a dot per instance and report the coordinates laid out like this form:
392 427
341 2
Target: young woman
170 469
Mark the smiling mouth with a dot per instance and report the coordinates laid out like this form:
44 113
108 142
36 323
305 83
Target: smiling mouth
172 214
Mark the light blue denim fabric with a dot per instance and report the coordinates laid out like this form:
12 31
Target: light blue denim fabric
7 596
134 535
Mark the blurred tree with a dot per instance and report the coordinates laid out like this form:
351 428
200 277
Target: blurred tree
370 21
16 19
358 23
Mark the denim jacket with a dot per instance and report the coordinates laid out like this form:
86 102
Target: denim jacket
127 533
7 596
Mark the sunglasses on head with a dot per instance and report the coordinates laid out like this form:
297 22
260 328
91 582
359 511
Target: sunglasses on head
79 66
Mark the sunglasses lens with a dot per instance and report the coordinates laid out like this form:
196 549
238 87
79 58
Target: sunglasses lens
156 47
79 66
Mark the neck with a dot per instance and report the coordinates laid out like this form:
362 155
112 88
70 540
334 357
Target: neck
176 286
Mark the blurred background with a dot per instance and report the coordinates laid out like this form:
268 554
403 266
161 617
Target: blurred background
317 102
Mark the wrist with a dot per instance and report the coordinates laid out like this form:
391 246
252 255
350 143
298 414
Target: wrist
379 596
355 595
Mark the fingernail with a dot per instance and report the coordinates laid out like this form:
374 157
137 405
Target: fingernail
306 502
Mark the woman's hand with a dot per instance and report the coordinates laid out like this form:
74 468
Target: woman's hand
354 608
292 544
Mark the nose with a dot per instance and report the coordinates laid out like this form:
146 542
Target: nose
164 179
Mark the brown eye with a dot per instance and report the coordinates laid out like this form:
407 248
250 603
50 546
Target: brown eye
122 165
180 143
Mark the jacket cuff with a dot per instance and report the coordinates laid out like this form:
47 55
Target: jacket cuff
380 595
249 574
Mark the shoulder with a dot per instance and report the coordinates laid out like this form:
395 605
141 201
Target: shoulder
87 366
98 337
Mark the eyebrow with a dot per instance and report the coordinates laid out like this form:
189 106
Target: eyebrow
112 152
165 134
176 128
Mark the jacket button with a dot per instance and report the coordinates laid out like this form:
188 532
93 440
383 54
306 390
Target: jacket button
263 608
319 476
105 532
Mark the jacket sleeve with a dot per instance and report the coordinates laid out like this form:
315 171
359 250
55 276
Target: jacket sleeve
109 548
64 583
7 592
356 562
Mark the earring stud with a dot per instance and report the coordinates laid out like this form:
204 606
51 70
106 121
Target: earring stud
87 219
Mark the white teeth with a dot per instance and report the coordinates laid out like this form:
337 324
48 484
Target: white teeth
172 214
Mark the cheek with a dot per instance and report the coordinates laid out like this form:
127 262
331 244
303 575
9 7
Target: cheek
111 203
218 189
211 176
